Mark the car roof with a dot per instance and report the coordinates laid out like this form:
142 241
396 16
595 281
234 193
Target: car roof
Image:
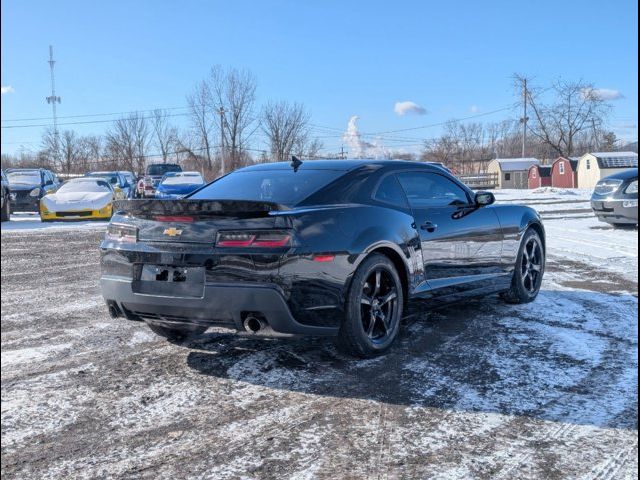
624 174
342 165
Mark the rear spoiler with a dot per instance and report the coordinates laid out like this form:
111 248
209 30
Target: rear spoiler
218 208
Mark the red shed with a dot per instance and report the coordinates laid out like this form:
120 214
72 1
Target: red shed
539 176
564 173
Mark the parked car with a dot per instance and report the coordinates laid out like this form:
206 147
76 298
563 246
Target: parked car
332 248
179 184
615 198
120 185
27 186
131 180
84 198
154 174
4 195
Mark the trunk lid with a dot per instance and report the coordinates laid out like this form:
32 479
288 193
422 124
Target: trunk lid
196 221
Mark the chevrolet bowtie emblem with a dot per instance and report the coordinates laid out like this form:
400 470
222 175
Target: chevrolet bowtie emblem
172 232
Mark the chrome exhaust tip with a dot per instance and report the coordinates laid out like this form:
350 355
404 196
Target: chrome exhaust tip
253 324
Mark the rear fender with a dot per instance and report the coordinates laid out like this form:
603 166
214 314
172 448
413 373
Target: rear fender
515 221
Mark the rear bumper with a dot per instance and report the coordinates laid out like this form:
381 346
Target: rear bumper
224 305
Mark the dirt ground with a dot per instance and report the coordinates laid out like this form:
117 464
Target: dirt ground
484 390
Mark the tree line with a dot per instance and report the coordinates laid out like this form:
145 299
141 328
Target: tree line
567 118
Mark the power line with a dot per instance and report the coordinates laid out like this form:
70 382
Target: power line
94 114
111 120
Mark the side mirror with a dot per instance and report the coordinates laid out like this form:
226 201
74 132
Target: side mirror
484 198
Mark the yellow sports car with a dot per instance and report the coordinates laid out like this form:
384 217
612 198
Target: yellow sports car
79 199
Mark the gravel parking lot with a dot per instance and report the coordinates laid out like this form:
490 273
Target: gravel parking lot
487 390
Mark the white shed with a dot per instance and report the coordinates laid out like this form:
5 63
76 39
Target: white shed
593 167
512 172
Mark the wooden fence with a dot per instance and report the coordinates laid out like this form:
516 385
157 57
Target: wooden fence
480 181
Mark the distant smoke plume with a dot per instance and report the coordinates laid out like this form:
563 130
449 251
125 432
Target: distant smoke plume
360 148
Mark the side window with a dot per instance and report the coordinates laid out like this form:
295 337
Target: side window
507 176
390 191
424 189
588 164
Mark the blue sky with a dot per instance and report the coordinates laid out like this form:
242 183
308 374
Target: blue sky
453 58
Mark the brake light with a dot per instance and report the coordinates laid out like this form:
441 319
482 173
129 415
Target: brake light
266 239
170 218
119 232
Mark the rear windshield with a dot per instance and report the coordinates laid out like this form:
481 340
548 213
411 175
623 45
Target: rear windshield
183 179
279 186
161 169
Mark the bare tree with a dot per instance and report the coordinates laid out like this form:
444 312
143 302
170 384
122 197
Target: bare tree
576 107
128 141
69 147
286 126
233 92
201 113
165 135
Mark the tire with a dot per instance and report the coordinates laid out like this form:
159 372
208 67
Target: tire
177 333
528 271
5 211
624 226
373 309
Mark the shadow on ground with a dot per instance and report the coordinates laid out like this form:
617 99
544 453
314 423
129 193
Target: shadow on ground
557 359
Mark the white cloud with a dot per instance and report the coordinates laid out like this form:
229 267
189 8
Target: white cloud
602 93
474 109
402 108
7 89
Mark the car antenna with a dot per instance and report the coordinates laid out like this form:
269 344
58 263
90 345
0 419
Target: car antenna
295 163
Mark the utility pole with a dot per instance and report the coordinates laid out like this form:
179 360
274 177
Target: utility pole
524 119
53 99
222 152
342 152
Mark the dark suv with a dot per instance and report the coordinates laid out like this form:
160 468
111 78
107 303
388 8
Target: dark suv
615 199
28 186
5 197
154 174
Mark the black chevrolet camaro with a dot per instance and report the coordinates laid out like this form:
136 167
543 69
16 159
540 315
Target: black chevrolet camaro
324 247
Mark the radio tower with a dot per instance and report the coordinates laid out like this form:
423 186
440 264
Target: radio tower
53 99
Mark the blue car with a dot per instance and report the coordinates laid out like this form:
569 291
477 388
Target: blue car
179 184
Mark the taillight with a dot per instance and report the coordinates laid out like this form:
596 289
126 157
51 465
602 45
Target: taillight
122 233
257 239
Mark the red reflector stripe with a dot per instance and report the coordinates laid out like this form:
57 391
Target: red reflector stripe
323 258
168 218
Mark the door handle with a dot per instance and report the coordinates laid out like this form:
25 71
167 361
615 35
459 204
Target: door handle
429 226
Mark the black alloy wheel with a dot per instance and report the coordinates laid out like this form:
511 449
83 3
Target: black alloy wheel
528 271
373 309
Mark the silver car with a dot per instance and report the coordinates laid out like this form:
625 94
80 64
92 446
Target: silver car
615 199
